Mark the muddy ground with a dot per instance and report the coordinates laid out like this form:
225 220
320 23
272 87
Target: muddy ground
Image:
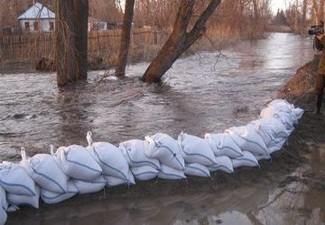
308 136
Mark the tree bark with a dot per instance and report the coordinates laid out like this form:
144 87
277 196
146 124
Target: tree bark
71 40
125 38
180 39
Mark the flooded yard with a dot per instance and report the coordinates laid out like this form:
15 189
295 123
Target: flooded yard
207 92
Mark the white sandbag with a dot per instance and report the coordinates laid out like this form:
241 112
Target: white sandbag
15 179
76 162
284 117
196 150
115 181
248 139
144 172
169 173
50 197
134 152
282 110
223 145
109 157
44 170
3 199
195 169
86 187
276 145
297 114
261 157
247 160
166 150
18 200
271 130
3 216
223 163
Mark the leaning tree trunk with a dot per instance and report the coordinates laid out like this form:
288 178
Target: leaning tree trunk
125 38
180 39
71 40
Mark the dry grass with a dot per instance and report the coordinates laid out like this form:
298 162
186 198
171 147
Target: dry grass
299 90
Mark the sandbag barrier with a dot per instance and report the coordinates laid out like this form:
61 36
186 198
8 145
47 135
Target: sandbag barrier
75 169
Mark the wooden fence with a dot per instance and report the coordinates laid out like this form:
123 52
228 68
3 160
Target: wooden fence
100 43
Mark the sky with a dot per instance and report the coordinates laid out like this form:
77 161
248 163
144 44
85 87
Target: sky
278 4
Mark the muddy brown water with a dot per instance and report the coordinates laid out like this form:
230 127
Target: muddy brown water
208 92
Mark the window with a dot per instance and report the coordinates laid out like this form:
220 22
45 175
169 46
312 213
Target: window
36 26
27 26
51 26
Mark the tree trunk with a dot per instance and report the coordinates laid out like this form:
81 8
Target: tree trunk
180 39
71 40
125 38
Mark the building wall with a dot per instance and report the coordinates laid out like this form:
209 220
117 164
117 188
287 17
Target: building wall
47 25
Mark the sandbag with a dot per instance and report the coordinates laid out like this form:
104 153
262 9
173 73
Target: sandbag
284 117
144 172
223 145
134 152
3 216
3 199
76 162
248 159
297 113
248 139
166 150
44 170
115 181
109 157
276 145
196 150
272 132
14 179
196 169
169 173
86 187
270 129
18 200
223 163
50 197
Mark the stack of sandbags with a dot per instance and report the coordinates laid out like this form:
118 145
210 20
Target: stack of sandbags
166 150
277 123
142 167
248 139
83 171
20 188
196 150
112 162
223 145
48 176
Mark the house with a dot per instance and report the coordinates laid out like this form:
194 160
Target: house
95 24
38 18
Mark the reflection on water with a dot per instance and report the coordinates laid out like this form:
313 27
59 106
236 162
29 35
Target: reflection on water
223 207
202 93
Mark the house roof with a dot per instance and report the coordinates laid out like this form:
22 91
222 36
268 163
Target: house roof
37 11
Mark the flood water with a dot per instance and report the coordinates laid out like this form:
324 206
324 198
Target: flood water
207 92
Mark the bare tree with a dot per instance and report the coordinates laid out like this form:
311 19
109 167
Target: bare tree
181 38
125 38
71 40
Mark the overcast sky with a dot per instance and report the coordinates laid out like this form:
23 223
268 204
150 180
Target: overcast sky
278 4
